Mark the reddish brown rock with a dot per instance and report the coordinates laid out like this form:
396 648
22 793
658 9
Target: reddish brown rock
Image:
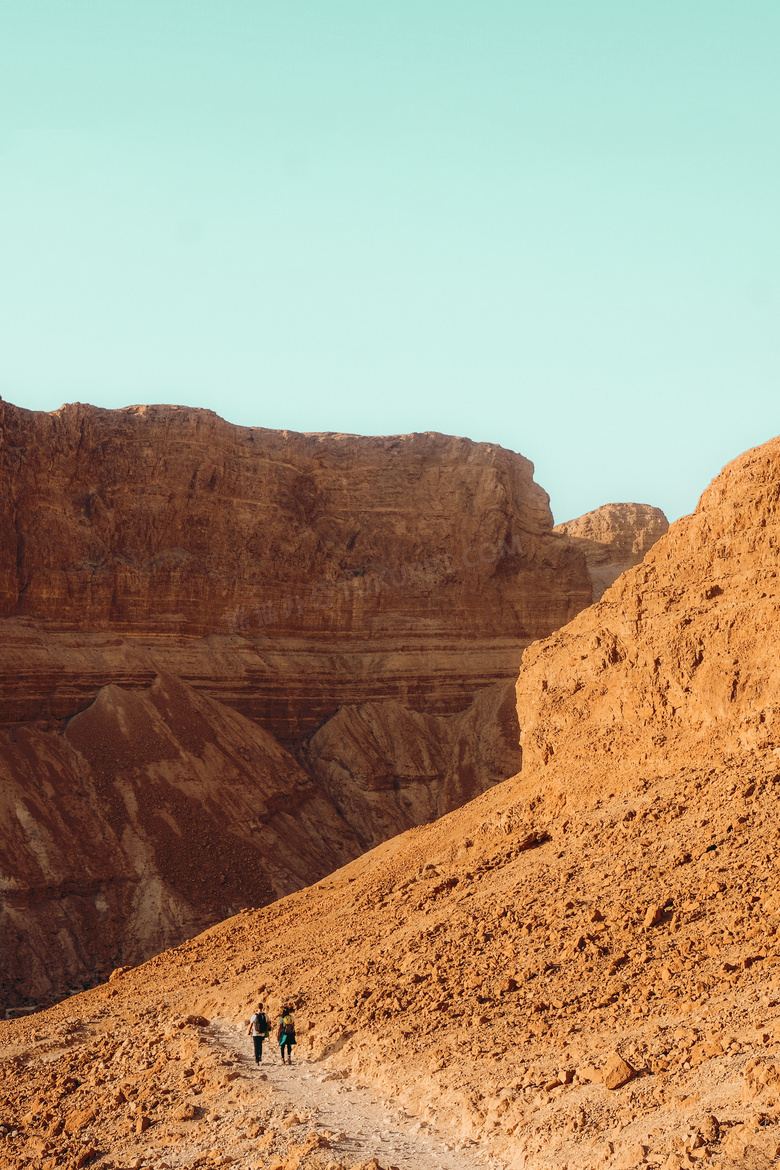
286 574
614 538
156 813
80 1119
616 1072
388 768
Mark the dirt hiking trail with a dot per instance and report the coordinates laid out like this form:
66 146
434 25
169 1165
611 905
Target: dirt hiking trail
358 1123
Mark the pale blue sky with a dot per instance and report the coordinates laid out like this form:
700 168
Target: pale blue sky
550 225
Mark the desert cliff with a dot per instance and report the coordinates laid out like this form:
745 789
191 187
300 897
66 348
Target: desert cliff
287 575
231 659
577 969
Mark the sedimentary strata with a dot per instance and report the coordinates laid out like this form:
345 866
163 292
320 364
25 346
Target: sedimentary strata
285 574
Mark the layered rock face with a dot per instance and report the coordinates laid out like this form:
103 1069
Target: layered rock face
390 768
614 538
288 575
579 966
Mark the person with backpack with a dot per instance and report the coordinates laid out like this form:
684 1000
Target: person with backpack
259 1029
285 1033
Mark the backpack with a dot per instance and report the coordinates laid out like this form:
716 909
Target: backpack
288 1027
261 1023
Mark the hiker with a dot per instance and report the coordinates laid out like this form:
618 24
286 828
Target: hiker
258 1030
285 1034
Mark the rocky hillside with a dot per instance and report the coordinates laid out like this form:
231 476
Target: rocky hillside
578 969
679 654
156 812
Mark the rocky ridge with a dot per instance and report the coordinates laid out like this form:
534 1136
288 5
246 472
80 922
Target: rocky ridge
156 812
678 655
579 969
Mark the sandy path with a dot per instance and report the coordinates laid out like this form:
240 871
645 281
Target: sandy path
358 1123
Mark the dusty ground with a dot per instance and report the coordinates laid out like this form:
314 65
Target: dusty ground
209 1105
359 1122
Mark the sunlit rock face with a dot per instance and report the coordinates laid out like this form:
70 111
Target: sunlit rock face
680 650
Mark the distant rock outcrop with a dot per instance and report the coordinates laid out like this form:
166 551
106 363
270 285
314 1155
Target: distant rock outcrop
390 768
151 815
614 538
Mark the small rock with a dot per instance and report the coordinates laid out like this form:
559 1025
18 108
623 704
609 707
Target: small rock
185 1112
79 1119
617 1072
652 916
710 1129
315 1141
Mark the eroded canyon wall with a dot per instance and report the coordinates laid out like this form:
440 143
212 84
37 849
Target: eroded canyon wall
155 558
286 574
390 768
362 601
149 816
